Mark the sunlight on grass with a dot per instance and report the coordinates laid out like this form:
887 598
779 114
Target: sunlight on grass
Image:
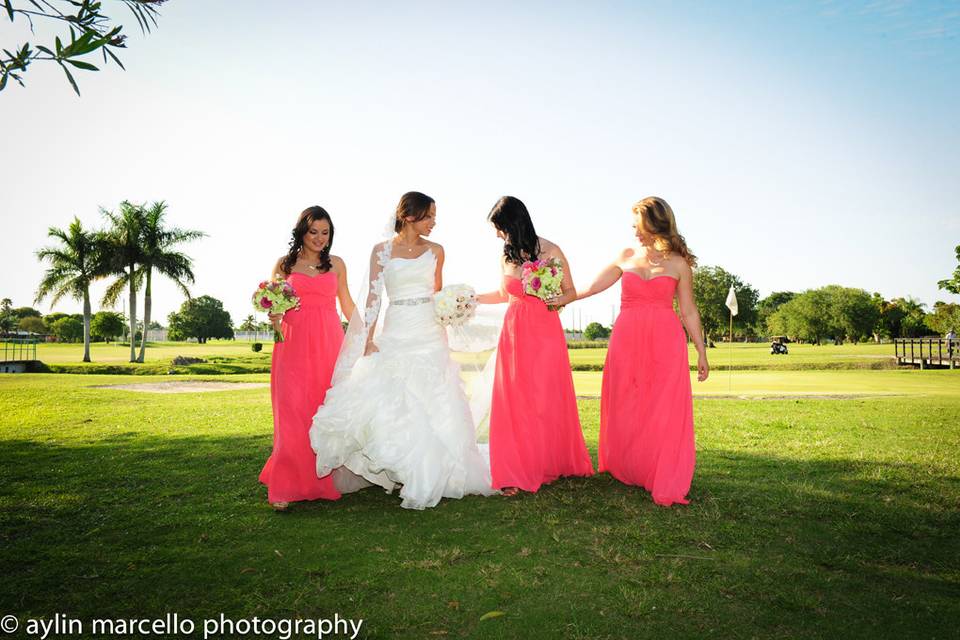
808 518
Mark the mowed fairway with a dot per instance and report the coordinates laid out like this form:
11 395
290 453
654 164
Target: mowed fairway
814 383
101 352
758 356
809 518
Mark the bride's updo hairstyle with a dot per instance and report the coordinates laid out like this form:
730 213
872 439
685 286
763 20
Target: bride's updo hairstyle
657 219
413 204
307 217
511 217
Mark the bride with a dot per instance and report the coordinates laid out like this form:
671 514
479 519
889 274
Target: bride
397 415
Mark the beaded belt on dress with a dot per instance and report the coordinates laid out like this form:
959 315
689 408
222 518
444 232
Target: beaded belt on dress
412 301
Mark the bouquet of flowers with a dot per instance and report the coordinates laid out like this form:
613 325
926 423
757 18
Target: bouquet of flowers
542 278
275 296
455 305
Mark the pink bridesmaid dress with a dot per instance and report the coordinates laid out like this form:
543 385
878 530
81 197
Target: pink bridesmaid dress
535 434
646 406
300 374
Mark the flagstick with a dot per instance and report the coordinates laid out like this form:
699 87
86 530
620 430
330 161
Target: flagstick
731 303
730 349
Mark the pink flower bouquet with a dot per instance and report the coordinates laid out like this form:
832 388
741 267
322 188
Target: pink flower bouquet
542 278
275 296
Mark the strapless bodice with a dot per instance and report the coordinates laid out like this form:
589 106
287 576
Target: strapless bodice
410 278
315 292
658 291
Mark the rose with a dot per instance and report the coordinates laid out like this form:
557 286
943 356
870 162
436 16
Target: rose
535 283
265 302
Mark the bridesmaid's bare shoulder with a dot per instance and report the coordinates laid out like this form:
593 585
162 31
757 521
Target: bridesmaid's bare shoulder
549 249
337 264
681 267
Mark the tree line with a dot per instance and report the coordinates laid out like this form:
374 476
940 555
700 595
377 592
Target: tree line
136 243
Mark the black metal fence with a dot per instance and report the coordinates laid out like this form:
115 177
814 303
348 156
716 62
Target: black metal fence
928 352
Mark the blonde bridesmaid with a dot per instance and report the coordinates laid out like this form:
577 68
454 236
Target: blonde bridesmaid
646 406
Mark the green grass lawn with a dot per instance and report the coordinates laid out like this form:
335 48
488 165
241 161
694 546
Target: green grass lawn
757 355
739 354
765 383
809 518
113 353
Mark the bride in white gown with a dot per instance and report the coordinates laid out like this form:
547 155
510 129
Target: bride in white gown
399 414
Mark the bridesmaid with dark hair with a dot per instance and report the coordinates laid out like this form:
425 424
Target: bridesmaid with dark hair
646 407
302 364
535 434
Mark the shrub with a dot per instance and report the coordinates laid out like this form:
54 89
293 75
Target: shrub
257 347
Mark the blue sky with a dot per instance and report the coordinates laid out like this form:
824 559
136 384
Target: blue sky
799 144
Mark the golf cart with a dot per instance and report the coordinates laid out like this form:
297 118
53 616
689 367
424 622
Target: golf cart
778 346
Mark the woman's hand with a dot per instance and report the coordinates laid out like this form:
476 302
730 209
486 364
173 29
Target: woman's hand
555 304
370 348
275 319
703 368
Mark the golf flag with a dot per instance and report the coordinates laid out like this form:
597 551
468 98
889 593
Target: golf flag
732 302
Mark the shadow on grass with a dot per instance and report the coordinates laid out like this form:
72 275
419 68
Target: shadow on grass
775 547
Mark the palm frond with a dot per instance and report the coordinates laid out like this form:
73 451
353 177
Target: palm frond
59 293
159 243
112 294
58 234
177 236
54 255
71 263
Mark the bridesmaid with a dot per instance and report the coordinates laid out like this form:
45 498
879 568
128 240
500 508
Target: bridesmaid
303 363
646 407
535 434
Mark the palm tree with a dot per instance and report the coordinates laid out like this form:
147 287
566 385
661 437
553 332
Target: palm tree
123 258
157 245
6 316
74 264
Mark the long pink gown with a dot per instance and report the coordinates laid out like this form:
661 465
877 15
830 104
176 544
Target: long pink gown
646 406
300 374
535 434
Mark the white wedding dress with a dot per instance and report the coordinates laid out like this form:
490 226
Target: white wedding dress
401 416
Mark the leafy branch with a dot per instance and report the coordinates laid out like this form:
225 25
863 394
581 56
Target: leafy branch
90 31
952 284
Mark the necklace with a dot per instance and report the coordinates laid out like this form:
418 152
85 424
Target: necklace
315 267
402 246
656 263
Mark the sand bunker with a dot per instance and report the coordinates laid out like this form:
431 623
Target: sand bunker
186 386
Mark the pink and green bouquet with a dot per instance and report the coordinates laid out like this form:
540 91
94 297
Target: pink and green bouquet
542 278
275 296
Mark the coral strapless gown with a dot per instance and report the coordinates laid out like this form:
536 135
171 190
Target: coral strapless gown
300 375
535 434
646 407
